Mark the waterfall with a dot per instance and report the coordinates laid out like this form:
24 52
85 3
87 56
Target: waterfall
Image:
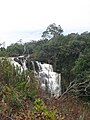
50 80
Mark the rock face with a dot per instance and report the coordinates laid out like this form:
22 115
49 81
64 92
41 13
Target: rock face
50 80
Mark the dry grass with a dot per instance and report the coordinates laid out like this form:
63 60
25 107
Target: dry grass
69 108
72 108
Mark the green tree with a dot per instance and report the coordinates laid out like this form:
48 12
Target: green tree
15 49
52 31
82 73
3 52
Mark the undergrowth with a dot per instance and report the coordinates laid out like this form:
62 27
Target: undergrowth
22 99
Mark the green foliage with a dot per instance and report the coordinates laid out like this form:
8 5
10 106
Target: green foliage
3 52
15 87
15 49
68 54
82 73
41 111
52 31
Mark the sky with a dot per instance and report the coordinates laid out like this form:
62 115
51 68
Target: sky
27 19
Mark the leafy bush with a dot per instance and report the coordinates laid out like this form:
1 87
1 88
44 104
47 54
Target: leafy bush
15 87
40 111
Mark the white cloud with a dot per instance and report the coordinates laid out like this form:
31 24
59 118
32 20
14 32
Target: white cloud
32 15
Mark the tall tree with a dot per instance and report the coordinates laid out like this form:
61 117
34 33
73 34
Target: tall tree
52 31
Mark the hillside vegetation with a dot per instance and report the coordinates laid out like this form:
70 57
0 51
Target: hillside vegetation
70 56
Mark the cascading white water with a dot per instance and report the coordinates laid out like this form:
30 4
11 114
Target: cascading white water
16 64
50 80
49 77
